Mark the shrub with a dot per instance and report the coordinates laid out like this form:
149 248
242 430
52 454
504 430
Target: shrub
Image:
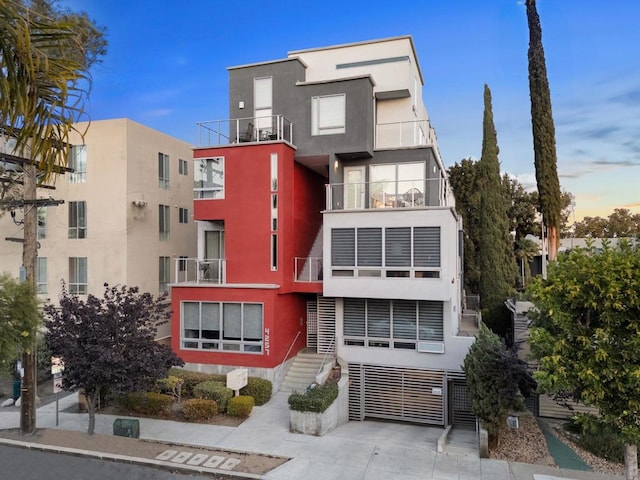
147 403
598 437
316 399
240 406
196 409
214 391
171 386
191 379
258 388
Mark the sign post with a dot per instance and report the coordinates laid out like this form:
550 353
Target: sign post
57 367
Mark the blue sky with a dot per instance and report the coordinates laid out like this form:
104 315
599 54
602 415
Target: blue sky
166 68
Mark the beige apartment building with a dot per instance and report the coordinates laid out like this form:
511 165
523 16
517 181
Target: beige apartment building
127 214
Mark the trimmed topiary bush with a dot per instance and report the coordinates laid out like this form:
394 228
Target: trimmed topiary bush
316 399
197 409
258 388
191 379
240 406
147 403
214 391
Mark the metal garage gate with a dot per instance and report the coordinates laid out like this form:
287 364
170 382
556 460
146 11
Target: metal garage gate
396 393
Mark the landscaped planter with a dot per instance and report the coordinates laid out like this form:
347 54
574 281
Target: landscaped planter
319 424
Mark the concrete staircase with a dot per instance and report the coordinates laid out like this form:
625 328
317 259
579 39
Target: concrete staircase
302 371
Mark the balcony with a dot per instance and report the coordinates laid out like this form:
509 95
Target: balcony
194 270
429 192
245 130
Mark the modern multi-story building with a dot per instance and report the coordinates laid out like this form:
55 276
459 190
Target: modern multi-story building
127 213
325 221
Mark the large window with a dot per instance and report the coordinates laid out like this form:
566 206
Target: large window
208 177
78 162
398 324
392 251
78 219
262 100
163 170
78 275
222 326
164 274
328 114
397 185
163 221
41 275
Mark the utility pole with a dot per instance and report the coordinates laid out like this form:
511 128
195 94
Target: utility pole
29 254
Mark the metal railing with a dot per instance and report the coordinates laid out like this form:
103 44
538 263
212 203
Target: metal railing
279 374
308 269
194 270
326 353
245 130
427 192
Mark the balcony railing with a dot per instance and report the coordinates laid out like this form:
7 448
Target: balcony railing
244 130
308 269
429 192
414 133
194 270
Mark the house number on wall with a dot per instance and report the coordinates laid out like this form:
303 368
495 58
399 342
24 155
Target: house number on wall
266 341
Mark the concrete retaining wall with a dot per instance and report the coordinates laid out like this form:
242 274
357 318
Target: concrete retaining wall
319 424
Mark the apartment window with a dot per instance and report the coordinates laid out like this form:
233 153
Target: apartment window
274 172
183 214
78 275
262 101
397 185
42 223
182 263
164 274
328 114
163 170
163 221
222 326
274 251
78 162
183 167
41 275
208 178
397 324
78 219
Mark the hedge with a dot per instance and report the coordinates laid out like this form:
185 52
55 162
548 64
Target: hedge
316 399
148 403
191 379
258 388
240 406
214 391
196 409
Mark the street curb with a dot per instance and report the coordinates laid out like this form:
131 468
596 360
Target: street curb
171 466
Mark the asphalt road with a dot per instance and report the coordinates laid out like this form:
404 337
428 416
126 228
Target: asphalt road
23 464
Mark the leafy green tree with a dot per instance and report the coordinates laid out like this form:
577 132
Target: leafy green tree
497 381
107 343
619 224
495 247
588 339
544 135
19 319
464 180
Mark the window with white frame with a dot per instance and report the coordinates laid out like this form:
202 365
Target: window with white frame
328 114
208 178
163 170
164 212
41 275
397 185
397 324
164 274
183 167
262 101
78 275
183 214
78 219
78 162
222 326
42 223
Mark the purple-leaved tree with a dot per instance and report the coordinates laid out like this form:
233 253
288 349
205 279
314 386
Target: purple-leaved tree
109 343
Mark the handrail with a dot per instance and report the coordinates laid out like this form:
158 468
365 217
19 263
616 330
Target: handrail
279 374
324 359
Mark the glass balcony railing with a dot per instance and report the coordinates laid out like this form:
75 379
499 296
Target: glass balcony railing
245 130
430 192
308 269
194 270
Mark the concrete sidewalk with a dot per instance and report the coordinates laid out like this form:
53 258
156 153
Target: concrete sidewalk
358 450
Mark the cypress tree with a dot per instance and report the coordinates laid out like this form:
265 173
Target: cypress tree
544 135
496 258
